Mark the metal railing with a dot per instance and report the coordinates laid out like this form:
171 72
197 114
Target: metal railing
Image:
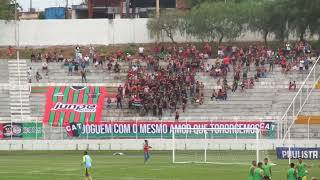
298 102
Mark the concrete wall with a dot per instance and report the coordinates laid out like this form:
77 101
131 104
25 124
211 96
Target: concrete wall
75 31
157 144
84 32
6 33
90 31
62 32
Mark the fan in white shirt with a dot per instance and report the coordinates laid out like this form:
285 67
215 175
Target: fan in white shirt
141 50
86 58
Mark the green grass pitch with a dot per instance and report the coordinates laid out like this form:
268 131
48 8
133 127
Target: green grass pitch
65 165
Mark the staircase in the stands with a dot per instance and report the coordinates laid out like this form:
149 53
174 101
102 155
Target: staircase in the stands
19 90
4 93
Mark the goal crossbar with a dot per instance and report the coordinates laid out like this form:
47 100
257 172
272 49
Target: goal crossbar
256 130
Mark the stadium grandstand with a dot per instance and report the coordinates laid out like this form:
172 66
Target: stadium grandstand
160 90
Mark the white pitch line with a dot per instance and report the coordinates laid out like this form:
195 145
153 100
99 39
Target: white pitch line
94 177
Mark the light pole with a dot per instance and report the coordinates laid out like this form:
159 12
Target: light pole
158 8
15 23
16 39
127 8
16 26
30 6
66 11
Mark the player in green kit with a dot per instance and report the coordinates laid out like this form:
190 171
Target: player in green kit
251 170
258 172
267 168
292 174
301 169
87 163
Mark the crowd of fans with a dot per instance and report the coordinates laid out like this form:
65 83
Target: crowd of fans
289 58
155 88
165 78
76 65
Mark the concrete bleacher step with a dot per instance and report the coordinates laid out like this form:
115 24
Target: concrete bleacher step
18 96
19 92
23 92
18 117
26 100
14 108
25 104
20 111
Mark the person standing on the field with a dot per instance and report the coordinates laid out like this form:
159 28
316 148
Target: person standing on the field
258 172
292 173
146 149
87 162
267 168
251 170
301 170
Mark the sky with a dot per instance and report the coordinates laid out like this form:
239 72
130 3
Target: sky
42 4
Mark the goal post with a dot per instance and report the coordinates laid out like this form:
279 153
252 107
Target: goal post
215 145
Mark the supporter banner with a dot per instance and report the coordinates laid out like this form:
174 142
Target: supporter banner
164 129
67 104
39 89
296 153
1 131
109 91
32 130
12 130
21 130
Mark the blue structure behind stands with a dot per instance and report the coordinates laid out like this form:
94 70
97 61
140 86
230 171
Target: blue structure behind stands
55 13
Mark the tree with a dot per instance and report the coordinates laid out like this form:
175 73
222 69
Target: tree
284 17
280 17
193 3
261 18
303 15
211 20
314 18
4 9
199 25
169 23
269 17
7 9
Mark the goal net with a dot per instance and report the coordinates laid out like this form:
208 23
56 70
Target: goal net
215 145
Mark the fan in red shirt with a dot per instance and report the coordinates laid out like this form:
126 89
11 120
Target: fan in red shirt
146 149
226 62
283 63
119 54
10 51
208 49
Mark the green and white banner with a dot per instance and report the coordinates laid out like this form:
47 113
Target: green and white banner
32 130
164 130
21 130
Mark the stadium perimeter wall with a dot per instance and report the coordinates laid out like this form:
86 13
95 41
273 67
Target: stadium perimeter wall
86 31
157 144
